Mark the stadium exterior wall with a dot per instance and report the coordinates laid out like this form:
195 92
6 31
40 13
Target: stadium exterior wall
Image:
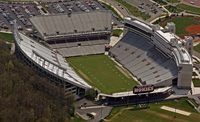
69 89
184 76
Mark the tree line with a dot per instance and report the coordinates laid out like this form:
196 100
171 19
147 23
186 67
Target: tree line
27 97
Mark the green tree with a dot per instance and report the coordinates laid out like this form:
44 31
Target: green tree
91 94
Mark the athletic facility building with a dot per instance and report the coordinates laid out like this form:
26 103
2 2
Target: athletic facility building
80 33
154 55
49 63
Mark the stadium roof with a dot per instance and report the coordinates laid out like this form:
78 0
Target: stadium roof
60 25
48 59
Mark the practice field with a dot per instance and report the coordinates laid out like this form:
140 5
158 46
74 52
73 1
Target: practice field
154 113
103 73
185 25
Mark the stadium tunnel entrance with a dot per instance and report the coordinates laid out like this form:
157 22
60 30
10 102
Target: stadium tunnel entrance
175 81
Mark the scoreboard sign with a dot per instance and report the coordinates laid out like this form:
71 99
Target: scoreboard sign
143 89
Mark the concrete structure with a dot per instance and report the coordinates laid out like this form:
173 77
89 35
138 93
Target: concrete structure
49 63
80 33
171 27
125 98
154 55
61 26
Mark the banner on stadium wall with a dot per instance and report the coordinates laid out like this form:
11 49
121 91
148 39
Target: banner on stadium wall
143 89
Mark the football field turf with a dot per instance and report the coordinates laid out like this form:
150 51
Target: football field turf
154 113
102 73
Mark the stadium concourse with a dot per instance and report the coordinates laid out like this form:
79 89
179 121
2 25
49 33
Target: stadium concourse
154 55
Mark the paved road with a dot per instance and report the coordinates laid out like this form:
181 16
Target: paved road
101 112
121 9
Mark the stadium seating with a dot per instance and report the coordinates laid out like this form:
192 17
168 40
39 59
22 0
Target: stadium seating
80 48
137 54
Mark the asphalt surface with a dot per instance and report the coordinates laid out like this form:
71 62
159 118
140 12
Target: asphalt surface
148 7
22 12
101 112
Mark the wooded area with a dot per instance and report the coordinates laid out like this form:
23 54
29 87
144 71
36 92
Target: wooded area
27 97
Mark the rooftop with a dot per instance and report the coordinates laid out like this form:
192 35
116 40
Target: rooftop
49 60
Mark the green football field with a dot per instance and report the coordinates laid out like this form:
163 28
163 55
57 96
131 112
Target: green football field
102 73
154 113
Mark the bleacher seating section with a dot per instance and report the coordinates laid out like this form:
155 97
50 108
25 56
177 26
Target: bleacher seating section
80 47
137 54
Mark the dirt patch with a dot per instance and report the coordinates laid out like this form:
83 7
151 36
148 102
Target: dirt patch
193 29
164 21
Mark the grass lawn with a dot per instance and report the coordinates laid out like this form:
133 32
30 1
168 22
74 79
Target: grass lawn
6 37
197 48
76 119
181 24
101 72
194 102
173 1
113 10
196 82
154 113
173 9
117 32
189 9
134 10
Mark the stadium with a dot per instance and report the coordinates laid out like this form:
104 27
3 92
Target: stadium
152 55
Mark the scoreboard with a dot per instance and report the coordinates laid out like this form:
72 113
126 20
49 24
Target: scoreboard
143 89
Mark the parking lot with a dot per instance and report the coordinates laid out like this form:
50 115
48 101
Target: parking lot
147 6
73 6
22 12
